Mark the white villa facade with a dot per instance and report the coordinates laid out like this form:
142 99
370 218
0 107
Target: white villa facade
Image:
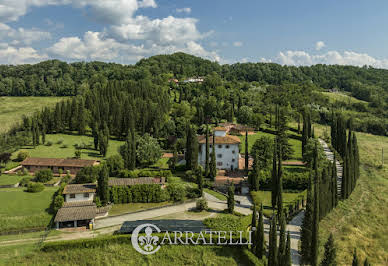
226 149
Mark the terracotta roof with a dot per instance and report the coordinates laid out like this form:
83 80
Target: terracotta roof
80 188
228 139
77 204
58 162
135 181
85 212
219 129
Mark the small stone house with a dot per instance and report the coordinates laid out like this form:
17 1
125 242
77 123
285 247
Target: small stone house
79 192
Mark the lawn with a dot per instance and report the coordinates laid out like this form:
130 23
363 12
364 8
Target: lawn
22 210
12 108
264 197
361 221
124 254
296 144
118 209
215 194
10 179
66 149
340 97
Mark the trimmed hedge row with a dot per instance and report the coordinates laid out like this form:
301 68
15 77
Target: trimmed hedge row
147 193
291 181
143 173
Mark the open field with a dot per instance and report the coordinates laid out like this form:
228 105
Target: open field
296 144
66 148
264 197
12 108
124 254
361 221
341 97
10 179
23 210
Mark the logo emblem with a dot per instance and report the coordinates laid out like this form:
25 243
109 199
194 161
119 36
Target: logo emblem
147 244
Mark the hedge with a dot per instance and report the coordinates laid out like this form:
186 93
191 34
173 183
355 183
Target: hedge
143 173
291 181
35 187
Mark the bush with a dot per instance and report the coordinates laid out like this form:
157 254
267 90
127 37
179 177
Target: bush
44 175
49 143
87 175
25 181
60 141
22 155
138 193
176 192
201 205
64 146
190 176
115 163
66 179
192 192
58 202
35 187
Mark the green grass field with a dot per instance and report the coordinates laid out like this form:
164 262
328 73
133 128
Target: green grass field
118 209
215 194
10 179
296 144
23 210
66 148
361 221
340 97
124 254
12 108
264 197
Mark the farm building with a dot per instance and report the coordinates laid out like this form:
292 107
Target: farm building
56 164
79 192
226 148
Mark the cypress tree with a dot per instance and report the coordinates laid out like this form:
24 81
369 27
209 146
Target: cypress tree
194 149
279 183
231 198
199 180
287 255
329 258
272 249
103 188
43 135
260 235
306 229
254 225
366 262
207 166
274 181
355 258
189 146
282 239
213 167
254 175
246 153
315 227
334 184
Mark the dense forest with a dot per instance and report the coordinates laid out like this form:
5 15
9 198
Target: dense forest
113 96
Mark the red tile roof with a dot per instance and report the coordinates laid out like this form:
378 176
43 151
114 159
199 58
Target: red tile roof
59 162
228 139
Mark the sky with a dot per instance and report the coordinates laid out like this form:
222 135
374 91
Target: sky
298 32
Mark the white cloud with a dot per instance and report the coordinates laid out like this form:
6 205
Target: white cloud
183 10
319 45
298 58
22 55
93 46
244 60
21 35
237 44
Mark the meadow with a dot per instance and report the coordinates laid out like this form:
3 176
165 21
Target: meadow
24 211
63 146
10 179
12 108
296 144
361 221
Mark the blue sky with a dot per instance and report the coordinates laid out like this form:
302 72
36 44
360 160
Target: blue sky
299 32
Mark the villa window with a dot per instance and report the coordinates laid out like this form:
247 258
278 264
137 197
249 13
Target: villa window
233 160
72 196
219 146
86 195
219 155
233 151
219 164
227 147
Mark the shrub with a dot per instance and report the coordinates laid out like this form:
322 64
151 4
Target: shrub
176 192
77 154
25 181
49 143
87 175
115 163
64 146
138 193
201 205
35 187
58 202
66 179
192 192
143 173
60 141
44 175
22 155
